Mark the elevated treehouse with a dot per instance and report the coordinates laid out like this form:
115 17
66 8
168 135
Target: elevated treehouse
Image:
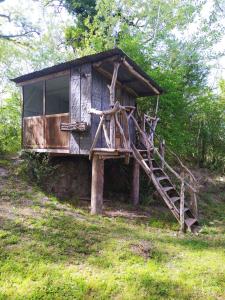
88 107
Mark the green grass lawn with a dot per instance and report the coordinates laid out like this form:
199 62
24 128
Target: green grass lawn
53 250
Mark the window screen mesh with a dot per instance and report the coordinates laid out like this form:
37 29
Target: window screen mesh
33 99
57 95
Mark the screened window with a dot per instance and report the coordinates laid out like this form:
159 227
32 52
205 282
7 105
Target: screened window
57 95
33 99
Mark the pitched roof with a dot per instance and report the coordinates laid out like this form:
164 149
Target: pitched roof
124 76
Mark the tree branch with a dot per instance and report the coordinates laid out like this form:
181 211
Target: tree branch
6 17
12 36
218 5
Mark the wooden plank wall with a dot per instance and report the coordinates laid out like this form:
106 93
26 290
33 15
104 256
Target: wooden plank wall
54 137
89 89
101 101
43 132
75 108
96 102
33 132
85 104
80 103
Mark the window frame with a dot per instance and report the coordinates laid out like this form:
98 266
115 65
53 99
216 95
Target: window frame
43 95
45 99
43 80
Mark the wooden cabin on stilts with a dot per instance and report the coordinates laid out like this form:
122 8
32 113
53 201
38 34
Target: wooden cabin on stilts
87 108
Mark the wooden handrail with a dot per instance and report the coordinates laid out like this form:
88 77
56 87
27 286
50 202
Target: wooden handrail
114 122
169 150
147 141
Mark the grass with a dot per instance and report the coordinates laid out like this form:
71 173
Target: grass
53 250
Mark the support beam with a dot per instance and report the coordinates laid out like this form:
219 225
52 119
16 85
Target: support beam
109 76
97 185
193 200
135 183
112 87
137 75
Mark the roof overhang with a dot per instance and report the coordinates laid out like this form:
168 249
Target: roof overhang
130 75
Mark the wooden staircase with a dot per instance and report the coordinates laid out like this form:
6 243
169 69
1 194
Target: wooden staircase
165 187
174 188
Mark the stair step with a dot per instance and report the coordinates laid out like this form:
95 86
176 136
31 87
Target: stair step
162 178
190 221
156 169
174 199
168 188
186 209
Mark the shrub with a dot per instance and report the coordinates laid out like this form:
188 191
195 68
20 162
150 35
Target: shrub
38 166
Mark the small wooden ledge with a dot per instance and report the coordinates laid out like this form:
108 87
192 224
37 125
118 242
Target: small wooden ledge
107 153
76 126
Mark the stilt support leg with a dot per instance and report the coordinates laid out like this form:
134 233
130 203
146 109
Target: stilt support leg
135 183
97 185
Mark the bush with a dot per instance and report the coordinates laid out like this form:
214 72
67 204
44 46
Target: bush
38 166
10 125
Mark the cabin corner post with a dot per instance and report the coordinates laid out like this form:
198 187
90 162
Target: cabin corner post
135 189
97 185
112 96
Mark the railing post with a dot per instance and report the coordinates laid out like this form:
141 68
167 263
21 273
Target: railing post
193 202
182 224
162 152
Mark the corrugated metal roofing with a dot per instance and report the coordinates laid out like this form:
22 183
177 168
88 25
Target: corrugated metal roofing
86 59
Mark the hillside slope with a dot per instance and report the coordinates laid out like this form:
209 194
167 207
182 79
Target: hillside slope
53 250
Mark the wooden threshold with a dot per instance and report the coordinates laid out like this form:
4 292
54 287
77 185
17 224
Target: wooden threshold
48 150
110 153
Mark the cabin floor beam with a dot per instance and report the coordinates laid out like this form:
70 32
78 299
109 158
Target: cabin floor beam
97 185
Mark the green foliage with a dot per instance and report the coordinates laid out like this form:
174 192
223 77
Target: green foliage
191 114
10 125
173 41
38 166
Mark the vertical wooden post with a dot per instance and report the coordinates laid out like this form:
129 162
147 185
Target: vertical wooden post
112 94
162 153
112 88
135 183
193 200
97 185
182 224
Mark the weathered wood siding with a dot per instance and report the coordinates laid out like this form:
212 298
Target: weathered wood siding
43 132
33 132
54 137
75 108
89 89
101 101
80 103
85 104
